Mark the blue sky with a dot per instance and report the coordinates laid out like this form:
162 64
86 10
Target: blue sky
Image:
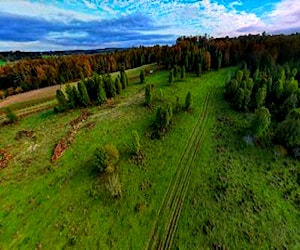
38 25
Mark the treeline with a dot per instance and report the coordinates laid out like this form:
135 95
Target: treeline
91 91
194 53
33 74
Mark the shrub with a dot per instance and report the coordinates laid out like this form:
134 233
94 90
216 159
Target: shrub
136 145
83 94
70 96
124 79
177 107
114 185
106 157
171 76
261 121
188 101
199 69
148 95
118 85
101 95
182 72
163 117
109 86
288 131
142 77
11 116
63 102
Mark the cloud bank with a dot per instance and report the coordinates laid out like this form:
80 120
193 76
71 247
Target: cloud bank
90 24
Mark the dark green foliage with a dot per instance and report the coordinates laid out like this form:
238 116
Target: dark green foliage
188 101
231 88
118 85
142 77
101 94
199 69
171 76
77 97
123 79
176 71
92 86
182 72
10 116
148 95
260 96
70 97
162 120
288 131
62 101
109 86
261 121
84 97
290 103
239 76
106 158
177 107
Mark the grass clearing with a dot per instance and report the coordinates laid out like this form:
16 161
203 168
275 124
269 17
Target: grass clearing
2 63
65 204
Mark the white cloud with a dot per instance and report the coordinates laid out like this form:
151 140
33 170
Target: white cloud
41 10
285 15
90 5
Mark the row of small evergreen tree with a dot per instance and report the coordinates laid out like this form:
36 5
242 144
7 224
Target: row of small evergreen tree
91 91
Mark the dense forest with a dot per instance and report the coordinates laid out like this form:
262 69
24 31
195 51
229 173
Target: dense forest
197 53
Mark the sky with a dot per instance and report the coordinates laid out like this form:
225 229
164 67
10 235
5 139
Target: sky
43 25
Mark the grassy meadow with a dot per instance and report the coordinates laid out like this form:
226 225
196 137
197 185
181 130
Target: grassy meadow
237 197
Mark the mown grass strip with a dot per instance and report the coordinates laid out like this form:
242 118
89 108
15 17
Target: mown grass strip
174 197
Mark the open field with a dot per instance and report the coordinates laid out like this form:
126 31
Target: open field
201 187
2 63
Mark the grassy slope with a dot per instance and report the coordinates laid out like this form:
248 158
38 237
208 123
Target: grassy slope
65 203
53 205
241 197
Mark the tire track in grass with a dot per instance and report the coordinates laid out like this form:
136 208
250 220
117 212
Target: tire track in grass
169 213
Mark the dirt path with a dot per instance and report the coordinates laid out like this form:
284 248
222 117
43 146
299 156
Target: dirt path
30 96
169 213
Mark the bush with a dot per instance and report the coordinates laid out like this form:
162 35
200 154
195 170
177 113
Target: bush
118 85
114 185
101 95
142 77
83 94
148 95
70 97
261 121
109 86
288 131
182 72
63 102
171 76
188 101
11 116
163 117
136 145
106 157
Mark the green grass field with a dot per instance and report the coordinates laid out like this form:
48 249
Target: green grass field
2 63
236 196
